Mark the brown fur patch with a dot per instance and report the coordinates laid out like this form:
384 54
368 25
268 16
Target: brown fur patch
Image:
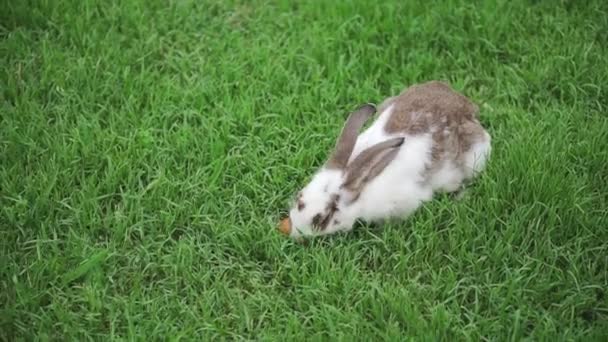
434 107
424 105
321 221
316 221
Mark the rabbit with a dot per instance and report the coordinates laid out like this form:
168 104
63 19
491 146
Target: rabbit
426 140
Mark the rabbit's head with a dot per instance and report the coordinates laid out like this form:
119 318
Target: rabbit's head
325 204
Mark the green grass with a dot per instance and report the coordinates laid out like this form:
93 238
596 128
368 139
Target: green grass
148 148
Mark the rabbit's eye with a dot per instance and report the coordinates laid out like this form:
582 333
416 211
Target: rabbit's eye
300 204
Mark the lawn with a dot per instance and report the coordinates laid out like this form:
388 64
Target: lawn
148 149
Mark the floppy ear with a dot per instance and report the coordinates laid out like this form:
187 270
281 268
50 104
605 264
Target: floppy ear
369 164
348 137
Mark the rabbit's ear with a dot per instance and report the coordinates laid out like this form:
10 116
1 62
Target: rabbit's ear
369 164
348 137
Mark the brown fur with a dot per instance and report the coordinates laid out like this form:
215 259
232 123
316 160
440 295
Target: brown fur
321 221
436 108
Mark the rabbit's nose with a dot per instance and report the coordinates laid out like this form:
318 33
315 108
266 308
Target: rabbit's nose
285 226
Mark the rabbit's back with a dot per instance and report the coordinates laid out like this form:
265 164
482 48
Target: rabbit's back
435 108
423 107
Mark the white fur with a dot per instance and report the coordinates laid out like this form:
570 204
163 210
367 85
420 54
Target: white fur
315 195
399 190
447 178
476 157
374 134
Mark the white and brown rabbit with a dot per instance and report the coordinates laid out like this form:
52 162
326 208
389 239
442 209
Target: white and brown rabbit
427 139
